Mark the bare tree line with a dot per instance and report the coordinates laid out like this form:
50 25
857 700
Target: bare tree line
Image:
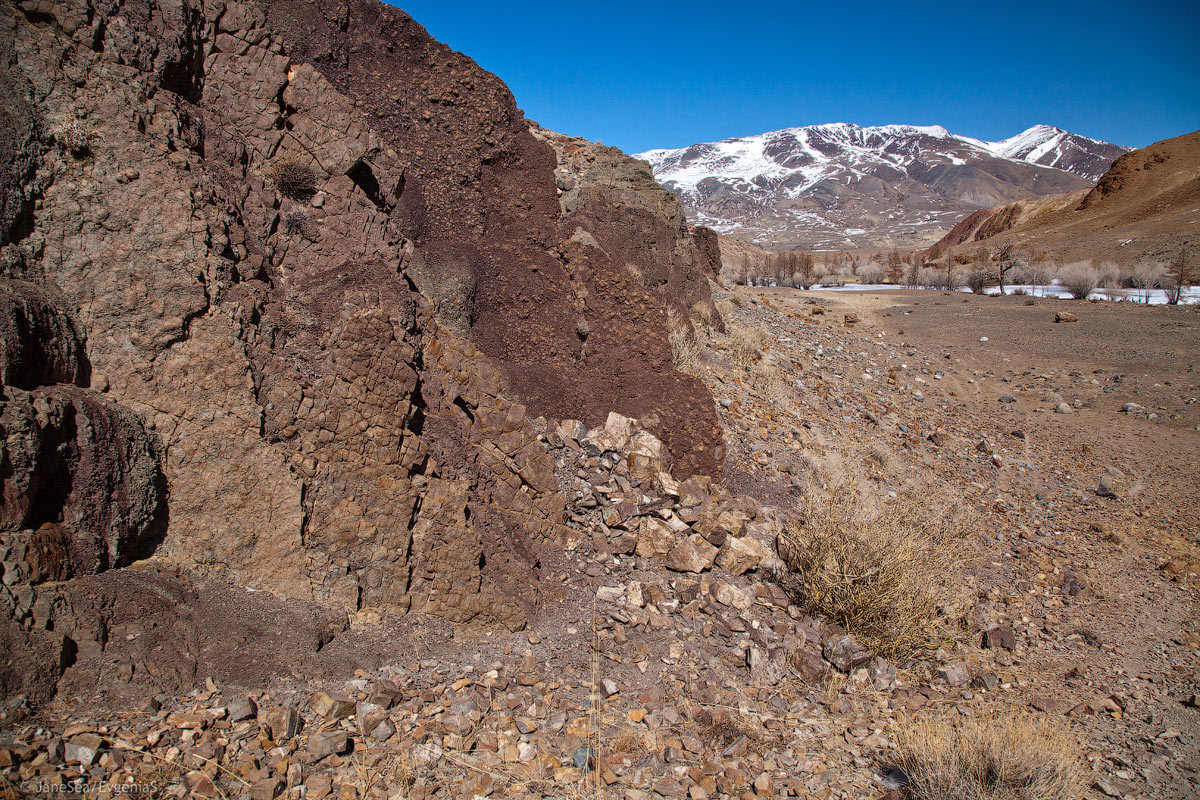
1006 268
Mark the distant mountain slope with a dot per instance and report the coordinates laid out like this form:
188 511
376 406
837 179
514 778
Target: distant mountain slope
1145 206
843 186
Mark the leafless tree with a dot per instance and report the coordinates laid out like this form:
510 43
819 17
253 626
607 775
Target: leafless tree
1178 276
1009 261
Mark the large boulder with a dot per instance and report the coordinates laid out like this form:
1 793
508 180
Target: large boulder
39 343
83 471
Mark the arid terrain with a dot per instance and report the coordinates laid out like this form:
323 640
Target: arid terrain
957 395
693 679
361 438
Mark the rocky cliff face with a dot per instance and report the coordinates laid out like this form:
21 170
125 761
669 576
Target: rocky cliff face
284 287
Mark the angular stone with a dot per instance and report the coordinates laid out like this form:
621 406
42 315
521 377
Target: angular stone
729 595
668 485
1049 705
385 694
241 709
571 431
985 680
739 556
283 723
83 749
955 674
655 539
807 665
382 730
845 653
609 594
882 674
266 789
767 667
331 707
614 435
328 743
692 554
1000 636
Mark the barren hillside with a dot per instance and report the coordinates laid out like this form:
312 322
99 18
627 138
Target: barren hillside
1145 206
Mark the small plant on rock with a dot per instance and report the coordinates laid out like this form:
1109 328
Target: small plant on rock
1010 757
745 346
702 314
73 139
685 350
294 180
296 223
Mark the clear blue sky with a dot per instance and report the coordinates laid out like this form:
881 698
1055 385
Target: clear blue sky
641 75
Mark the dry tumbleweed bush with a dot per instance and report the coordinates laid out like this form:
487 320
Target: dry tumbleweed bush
882 574
1010 757
295 180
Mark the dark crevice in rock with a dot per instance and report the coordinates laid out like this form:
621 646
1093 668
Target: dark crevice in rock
364 178
466 409
98 37
35 17
183 72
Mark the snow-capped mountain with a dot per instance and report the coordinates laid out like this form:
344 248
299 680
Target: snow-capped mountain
1054 147
842 186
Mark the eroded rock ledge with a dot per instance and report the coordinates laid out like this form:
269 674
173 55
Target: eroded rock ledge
322 392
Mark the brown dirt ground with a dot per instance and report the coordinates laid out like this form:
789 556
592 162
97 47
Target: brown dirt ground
1130 631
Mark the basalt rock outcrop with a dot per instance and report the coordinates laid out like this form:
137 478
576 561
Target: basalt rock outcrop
331 390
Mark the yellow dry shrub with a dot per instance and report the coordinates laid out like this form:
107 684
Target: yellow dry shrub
881 573
1013 756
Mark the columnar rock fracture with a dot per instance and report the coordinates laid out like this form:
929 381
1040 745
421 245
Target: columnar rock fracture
329 394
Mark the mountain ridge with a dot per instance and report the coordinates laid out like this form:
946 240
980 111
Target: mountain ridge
841 185
1140 209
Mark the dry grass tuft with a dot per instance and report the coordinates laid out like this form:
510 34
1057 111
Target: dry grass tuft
880 456
630 739
880 573
746 345
772 387
685 350
720 727
703 314
295 180
391 773
1010 757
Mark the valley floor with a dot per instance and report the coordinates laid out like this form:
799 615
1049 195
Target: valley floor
991 403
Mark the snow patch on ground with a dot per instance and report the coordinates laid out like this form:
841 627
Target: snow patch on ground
1153 297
